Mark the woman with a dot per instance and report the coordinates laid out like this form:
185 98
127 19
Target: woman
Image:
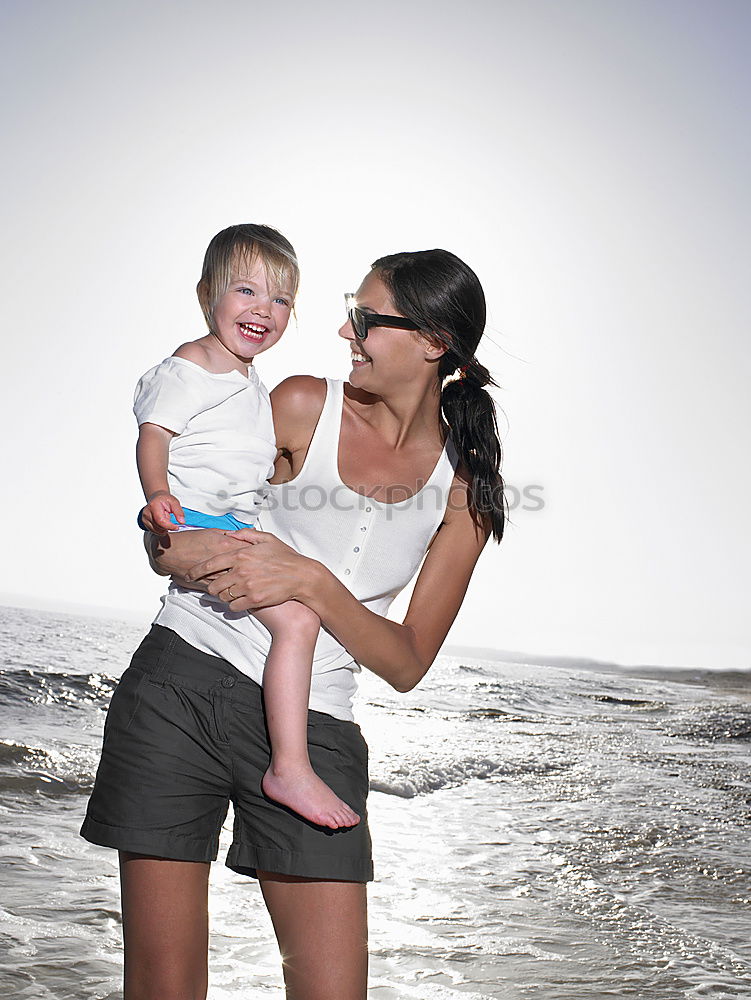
368 482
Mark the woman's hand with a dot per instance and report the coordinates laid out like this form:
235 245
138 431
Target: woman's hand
176 553
259 572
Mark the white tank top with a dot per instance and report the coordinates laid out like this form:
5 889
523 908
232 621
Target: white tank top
373 548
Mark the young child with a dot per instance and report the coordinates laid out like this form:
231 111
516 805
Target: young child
206 436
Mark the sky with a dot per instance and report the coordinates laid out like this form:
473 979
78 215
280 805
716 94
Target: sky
589 160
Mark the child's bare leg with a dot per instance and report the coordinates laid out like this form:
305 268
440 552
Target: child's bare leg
290 779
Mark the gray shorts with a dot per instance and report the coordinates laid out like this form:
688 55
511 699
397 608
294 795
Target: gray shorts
185 734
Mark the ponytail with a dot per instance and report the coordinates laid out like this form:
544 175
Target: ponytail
443 296
469 411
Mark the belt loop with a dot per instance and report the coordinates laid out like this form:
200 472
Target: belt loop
161 666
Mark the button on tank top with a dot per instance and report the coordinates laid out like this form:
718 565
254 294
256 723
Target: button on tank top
374 548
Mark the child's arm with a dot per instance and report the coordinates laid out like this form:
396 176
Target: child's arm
152 457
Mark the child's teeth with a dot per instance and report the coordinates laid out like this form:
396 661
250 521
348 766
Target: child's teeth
358 357
248 328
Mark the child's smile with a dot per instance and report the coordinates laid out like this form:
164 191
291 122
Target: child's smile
253 332
251 316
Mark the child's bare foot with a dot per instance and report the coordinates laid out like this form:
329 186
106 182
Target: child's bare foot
301 789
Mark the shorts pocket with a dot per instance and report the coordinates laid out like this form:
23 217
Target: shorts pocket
339 753
125 700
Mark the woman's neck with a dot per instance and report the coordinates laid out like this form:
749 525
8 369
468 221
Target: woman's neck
404 416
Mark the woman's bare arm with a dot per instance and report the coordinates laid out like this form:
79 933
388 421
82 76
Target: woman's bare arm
402 653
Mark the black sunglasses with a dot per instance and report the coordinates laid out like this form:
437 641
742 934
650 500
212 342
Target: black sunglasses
362 321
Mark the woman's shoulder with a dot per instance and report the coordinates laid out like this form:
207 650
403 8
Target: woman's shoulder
297 403
300 395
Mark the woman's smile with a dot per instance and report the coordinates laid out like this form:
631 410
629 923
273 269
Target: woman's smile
358 359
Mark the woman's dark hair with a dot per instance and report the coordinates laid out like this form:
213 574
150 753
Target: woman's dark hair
439 292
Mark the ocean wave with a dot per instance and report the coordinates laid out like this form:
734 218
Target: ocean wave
501 714
609 699
26 685
419 777
43 782
28 770
15 753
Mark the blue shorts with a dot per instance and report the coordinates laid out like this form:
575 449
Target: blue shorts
197 519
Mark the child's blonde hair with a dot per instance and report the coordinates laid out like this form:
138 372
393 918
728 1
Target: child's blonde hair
234 251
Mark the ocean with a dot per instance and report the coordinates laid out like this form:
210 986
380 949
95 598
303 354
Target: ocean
540 830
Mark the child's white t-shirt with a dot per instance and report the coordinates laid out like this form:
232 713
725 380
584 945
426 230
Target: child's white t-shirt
224 446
